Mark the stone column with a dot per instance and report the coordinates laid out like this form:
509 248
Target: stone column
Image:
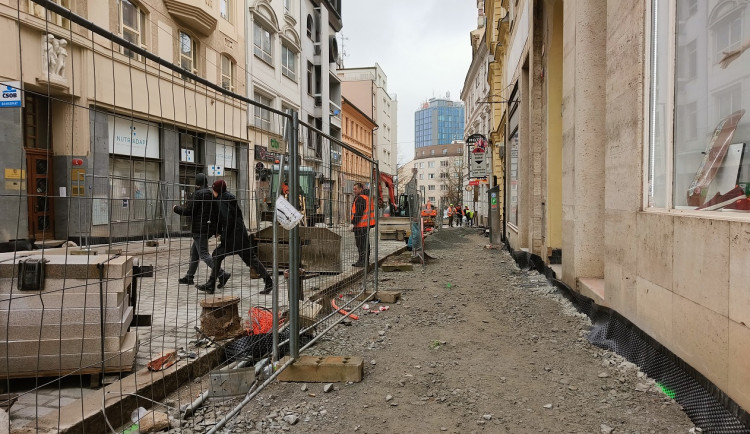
584 139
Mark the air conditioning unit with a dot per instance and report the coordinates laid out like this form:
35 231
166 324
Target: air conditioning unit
318 100
317 49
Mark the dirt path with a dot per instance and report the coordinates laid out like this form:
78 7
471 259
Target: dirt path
475 345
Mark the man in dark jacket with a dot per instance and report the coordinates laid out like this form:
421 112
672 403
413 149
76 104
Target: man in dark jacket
234 238
202 210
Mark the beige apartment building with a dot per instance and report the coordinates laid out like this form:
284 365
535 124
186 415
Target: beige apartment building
612 109
105 141
367 87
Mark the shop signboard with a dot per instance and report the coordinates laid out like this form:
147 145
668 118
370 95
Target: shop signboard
11 94
133 138
477 145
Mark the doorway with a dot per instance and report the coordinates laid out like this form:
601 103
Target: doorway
38 145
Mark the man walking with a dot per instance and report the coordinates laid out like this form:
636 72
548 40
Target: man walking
202 211
450 216
363 218
234 239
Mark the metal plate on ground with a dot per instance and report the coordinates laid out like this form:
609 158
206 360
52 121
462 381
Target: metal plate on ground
232 382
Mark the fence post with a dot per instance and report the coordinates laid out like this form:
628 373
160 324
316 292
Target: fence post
377 223
294 248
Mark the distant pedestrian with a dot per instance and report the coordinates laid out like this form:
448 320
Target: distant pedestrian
234 239
202 210
459 215
450 215
363 218
469 216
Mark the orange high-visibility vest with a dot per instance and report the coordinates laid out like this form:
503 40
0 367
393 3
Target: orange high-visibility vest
450 211
363 222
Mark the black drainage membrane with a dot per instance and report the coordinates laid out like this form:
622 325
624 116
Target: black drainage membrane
707 406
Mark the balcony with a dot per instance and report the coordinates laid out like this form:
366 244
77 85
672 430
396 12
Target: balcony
196 15
334 115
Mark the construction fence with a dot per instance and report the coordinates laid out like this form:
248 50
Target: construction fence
100 310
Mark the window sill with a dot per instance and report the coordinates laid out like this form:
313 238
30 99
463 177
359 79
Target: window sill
737 216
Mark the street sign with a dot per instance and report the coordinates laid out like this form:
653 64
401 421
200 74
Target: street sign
477 165
11 94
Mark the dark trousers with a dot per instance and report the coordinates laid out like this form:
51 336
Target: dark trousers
198 252
247 255
360 239
450 220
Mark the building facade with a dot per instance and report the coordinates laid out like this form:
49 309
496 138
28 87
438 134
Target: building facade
105 141
478 115
610 113
358 132
439 121
368 88
321 91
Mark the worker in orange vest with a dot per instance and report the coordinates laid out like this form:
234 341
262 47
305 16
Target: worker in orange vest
450 215
363 218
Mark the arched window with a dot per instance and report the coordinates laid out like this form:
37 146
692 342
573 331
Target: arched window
310 26
188 53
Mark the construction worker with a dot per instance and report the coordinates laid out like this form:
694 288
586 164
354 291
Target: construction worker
469 216
450 216
459 213
363 218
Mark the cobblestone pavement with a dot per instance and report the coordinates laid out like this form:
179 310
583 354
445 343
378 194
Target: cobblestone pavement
175 311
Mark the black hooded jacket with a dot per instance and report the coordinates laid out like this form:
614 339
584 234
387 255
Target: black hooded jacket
201 208
231 226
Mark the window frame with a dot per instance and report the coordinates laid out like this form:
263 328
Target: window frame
261 116
227 5
193 58
288 54
122 28
266 37
225 57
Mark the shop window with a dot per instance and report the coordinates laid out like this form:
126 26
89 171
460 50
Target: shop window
134 187
262 43
700 121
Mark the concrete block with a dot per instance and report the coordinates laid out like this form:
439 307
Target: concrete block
701 339
329 369
388 296
112 327
701 269
58 300
72 267
64 315
46 347
9 286
739 363
121 360
655 246
394 266
739 273
364 296
654 310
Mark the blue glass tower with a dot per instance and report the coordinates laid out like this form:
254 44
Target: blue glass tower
438 122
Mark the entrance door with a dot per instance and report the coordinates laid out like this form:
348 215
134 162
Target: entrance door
39 188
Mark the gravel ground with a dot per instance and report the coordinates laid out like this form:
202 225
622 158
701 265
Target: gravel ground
474 345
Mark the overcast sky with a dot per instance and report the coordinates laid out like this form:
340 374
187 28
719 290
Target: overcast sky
422 46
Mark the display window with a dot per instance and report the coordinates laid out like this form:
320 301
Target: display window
699 89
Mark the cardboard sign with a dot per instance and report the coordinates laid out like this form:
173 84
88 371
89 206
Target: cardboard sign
286 214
